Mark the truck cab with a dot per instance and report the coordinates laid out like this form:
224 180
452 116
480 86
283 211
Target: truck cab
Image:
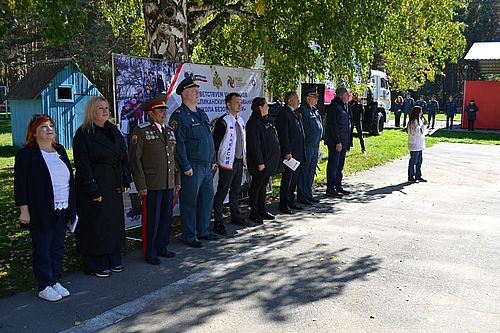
377 103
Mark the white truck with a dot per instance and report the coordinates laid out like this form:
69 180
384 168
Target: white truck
377 103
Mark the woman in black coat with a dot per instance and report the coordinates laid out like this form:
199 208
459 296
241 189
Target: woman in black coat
263 158
102 174
45 193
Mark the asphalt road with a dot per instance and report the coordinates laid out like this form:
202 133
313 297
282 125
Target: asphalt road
392 257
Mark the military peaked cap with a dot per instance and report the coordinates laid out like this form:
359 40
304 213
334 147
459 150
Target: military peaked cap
186 83
157 102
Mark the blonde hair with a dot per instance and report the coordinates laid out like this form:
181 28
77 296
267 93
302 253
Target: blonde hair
88 119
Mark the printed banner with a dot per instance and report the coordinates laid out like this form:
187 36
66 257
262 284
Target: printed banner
140 79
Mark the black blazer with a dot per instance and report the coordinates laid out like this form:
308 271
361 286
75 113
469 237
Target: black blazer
33 186
291 134
263 146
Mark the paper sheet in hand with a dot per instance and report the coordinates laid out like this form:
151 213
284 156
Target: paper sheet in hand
291 163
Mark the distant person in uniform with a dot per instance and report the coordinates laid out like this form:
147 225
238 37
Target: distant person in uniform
102 175
313 131
291 137
338 139
264 158
156 176
471 114
398 109
230 146
416 144
357 111
408 105
449 110
196 157
44 191
422 104
432 109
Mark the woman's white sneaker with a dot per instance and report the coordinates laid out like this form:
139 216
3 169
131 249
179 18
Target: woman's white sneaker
49 294
61 290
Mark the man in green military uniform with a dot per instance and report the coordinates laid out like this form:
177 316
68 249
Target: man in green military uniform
152 158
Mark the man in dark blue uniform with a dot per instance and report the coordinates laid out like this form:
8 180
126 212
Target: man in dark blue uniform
291 137
432 109
408 105
313 131
196 157
338 140
449 110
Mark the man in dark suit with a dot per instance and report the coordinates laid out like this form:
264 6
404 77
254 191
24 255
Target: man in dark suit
338 140
152 158
292 143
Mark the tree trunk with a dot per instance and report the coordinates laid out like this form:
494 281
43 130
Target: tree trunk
166 28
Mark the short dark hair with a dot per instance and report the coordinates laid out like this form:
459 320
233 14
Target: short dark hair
230 96
289 95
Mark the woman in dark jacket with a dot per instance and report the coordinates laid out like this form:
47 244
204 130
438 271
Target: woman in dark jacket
102 174
45 193
263 158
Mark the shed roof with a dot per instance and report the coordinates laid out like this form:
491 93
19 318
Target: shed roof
33 83
484 51
486 55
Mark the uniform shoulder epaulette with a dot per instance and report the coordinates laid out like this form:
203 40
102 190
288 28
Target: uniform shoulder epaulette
144 124
178 110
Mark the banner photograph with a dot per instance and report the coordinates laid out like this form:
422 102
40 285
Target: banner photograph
139 79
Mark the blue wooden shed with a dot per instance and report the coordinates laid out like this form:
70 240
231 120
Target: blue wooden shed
56 88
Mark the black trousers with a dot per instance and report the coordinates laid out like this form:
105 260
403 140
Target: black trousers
432 120
48 250
449 121
471 125
158 222
257 195
404 119
397 119
289 182
229 181
359 132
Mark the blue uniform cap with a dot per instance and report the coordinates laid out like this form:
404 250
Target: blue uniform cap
186 83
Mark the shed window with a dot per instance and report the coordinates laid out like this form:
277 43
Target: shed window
64 94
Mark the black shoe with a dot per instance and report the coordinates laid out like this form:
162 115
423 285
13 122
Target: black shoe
242 222
209 237
220 229
286 210
314 200
304 202
167 254
422 180
103 274
256 219
296 207
337 195
153 261
195 243
343 191
117 269
266 216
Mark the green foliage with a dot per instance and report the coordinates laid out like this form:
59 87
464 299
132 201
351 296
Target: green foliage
414 38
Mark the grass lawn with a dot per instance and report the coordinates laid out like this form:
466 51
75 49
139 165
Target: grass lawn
15 244
439 116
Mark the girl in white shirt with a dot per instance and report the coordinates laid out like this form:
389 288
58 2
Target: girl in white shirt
416 144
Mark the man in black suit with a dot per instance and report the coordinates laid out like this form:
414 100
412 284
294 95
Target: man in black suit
291 137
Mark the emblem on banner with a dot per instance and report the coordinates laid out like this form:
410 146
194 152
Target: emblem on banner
217 81
230 81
